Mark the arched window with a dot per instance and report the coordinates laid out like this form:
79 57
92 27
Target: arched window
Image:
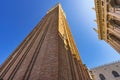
102 77
115 74
115 23
115 3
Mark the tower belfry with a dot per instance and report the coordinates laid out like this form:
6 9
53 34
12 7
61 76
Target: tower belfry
47 53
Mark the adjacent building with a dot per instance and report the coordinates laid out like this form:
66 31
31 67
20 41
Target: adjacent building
47 53
108 21
107 72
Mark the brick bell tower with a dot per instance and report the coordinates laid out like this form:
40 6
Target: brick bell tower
47 53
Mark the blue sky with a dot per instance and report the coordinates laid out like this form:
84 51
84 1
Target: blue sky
19 17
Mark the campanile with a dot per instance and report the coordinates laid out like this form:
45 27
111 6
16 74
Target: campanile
47 53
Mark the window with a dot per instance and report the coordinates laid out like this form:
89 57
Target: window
117 65
102 77
102 3
115 23
115 74
115 3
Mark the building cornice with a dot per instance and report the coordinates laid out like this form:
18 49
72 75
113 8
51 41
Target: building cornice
115 62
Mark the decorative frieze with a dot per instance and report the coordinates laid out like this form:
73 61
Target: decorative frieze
108 20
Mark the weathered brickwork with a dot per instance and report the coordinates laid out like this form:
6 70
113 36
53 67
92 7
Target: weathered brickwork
47 53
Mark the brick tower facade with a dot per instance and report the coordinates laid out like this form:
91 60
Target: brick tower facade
47 53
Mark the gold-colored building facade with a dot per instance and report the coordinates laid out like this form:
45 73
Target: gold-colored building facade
108 21
47 53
